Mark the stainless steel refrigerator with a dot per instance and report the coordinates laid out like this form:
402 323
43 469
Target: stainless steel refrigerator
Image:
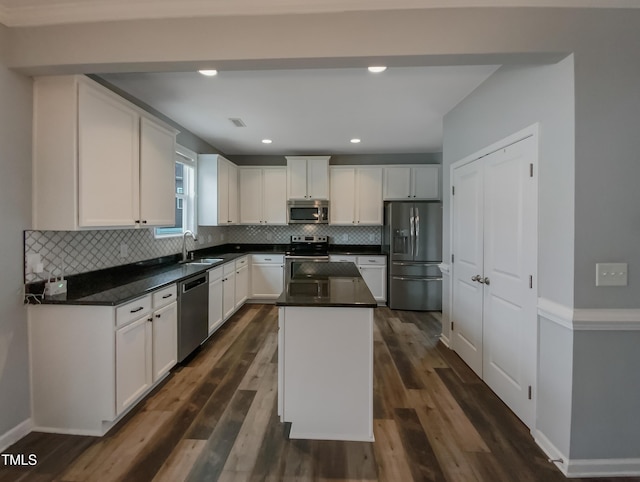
413 240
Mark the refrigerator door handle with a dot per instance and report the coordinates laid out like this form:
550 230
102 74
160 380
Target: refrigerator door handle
416 230
412 222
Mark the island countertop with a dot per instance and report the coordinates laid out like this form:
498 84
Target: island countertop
327 284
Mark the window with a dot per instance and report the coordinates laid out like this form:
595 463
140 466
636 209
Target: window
185 195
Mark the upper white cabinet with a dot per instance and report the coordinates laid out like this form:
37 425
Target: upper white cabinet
411 182
217 191
263 197
356 195
308 177
98 160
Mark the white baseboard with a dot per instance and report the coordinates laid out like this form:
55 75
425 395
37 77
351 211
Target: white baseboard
70 431
331 436
445 341
15 434
587 467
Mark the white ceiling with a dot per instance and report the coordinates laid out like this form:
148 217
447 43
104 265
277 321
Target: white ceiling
315 111
49 12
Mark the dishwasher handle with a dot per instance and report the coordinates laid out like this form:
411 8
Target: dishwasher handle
194 283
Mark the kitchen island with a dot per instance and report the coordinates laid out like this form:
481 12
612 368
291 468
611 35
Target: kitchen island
325 353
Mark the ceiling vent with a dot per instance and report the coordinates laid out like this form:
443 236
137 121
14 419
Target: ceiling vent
237 122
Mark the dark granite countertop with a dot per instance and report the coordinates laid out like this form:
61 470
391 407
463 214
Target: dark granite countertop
327 285
114 286
356 249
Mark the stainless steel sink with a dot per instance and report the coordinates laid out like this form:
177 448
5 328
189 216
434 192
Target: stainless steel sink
205 261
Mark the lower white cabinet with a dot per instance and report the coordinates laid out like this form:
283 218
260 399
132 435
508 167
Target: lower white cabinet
90 364
373 270
241 286
215 299
164 340
267 276
228 290
133 362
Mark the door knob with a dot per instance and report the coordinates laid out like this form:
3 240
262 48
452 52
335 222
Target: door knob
486 281
476 278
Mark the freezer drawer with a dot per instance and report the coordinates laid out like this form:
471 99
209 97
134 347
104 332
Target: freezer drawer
417 294
416 270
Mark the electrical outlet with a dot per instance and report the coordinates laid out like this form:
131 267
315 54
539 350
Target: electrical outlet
209 239
345 237
611 274
269 236
372 237
34 263
222 237
124 250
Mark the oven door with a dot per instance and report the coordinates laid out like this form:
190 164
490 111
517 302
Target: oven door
292 263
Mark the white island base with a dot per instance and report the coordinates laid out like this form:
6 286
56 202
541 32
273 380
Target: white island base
325 372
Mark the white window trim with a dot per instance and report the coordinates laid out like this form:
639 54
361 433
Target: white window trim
189 158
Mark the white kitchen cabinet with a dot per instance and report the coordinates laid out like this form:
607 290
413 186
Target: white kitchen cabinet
228 291
356 195
308 177
263 197
267 276
374 272
98 160
134 374
217 191
124 352
164 340
241 282
215 298
411 182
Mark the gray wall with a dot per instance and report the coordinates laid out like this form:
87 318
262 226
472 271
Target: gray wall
511 99
418 158
15 216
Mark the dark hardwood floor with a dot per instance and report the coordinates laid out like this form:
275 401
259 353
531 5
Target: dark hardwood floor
214 418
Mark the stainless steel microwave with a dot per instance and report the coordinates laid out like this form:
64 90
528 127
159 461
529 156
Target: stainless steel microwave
308 212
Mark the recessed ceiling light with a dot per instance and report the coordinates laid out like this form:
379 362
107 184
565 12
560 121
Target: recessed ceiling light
376 69
267 141
355 141
208 73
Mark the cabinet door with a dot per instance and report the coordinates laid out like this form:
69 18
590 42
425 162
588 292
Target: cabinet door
233 194
343 197
215 304
108 160
274 205
157 174
228 295
251 196
318 178
222 185
133 362
425 182
376 279
242 286
369 204
165 340
267 280
297 178
397 183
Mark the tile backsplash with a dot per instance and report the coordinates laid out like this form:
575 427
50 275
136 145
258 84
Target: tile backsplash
84 251
282 234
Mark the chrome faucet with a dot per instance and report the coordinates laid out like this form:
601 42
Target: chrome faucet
184 243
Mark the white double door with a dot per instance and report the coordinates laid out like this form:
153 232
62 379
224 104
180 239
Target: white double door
494 230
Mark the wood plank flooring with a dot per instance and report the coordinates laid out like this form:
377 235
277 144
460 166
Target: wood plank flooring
214 418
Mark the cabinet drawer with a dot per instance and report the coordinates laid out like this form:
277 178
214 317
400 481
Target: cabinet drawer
133 310
240 262
229 268
267 259
216 273
164 296
380 260
342 258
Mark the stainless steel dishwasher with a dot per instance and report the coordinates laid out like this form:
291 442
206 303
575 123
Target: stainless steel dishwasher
193 312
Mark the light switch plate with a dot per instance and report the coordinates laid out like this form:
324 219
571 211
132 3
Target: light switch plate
611 274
